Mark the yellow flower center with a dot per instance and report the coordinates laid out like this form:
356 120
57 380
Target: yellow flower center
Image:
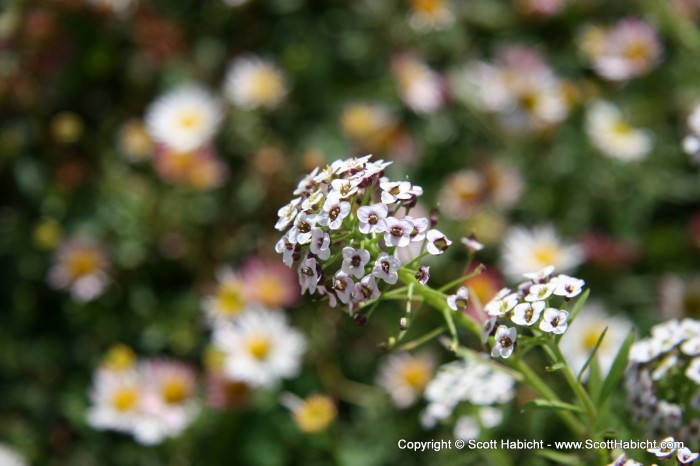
268 86
315 414
590 338
259 346
359 121
230 300
269 290
637 51
175 390
429 7
529 101
546 254
190 119
416 374
83 262
124 399
622 128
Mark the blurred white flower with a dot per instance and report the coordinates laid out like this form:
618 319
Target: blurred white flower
421 88
9 457
583 334
81 267
185 118
253 82
404 376
527 250
260 348
612 135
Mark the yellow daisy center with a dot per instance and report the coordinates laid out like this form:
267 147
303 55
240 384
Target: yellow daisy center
82 263
546 254
259 346
359 121
267 86
590 338
315 414
269 290
622 128
230 300
429 7
190 119
124 398
175 390
637 51
416 374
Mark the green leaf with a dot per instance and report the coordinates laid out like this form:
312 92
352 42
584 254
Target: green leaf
558 457
592 355
617 370
595 380
578 306
555 367
551 404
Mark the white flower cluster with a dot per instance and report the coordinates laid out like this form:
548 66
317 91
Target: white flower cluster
469 381
663 380
527 306
151 400
344 227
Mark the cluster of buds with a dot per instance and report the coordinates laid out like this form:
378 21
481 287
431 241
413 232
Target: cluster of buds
531 303
663 378
344 228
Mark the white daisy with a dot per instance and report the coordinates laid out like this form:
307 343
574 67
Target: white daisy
527 250
613 136
185 118
261 348
229 299
405 376
578 342
252 82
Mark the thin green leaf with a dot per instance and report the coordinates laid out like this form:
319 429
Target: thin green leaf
558 457
595 380
551 404
592 355
578 306
617 370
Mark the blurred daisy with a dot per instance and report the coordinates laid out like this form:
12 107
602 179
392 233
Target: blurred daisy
253 82
81 267
185 118
10 457
629 48
527 250
462 193
504 183
313 414
613 136
230 298
260 348
134 142
198 169
582 336
366 124
270 283
405 376
169 393
421 88
430 14
520 87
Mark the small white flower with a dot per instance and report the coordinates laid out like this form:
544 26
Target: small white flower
554 321
313 202
344 286
665 449
308 184
252 82
613 136
287 214
466 428
567 286
643 351
334 211
541 275
665 365
527 313
437 242
371 216
366 289
345 188
668 334
540 292
301 230
505 342
685 456
394 191
458 301
472 244
286 248
386 268
354 261
488 328
185 118
490 417
320 244
423 274
308 275
693 371
420 226
498 307
396 232
691 347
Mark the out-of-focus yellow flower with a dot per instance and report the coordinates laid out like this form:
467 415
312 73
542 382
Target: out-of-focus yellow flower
66 128
47 233
119 357
134 141
315 413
